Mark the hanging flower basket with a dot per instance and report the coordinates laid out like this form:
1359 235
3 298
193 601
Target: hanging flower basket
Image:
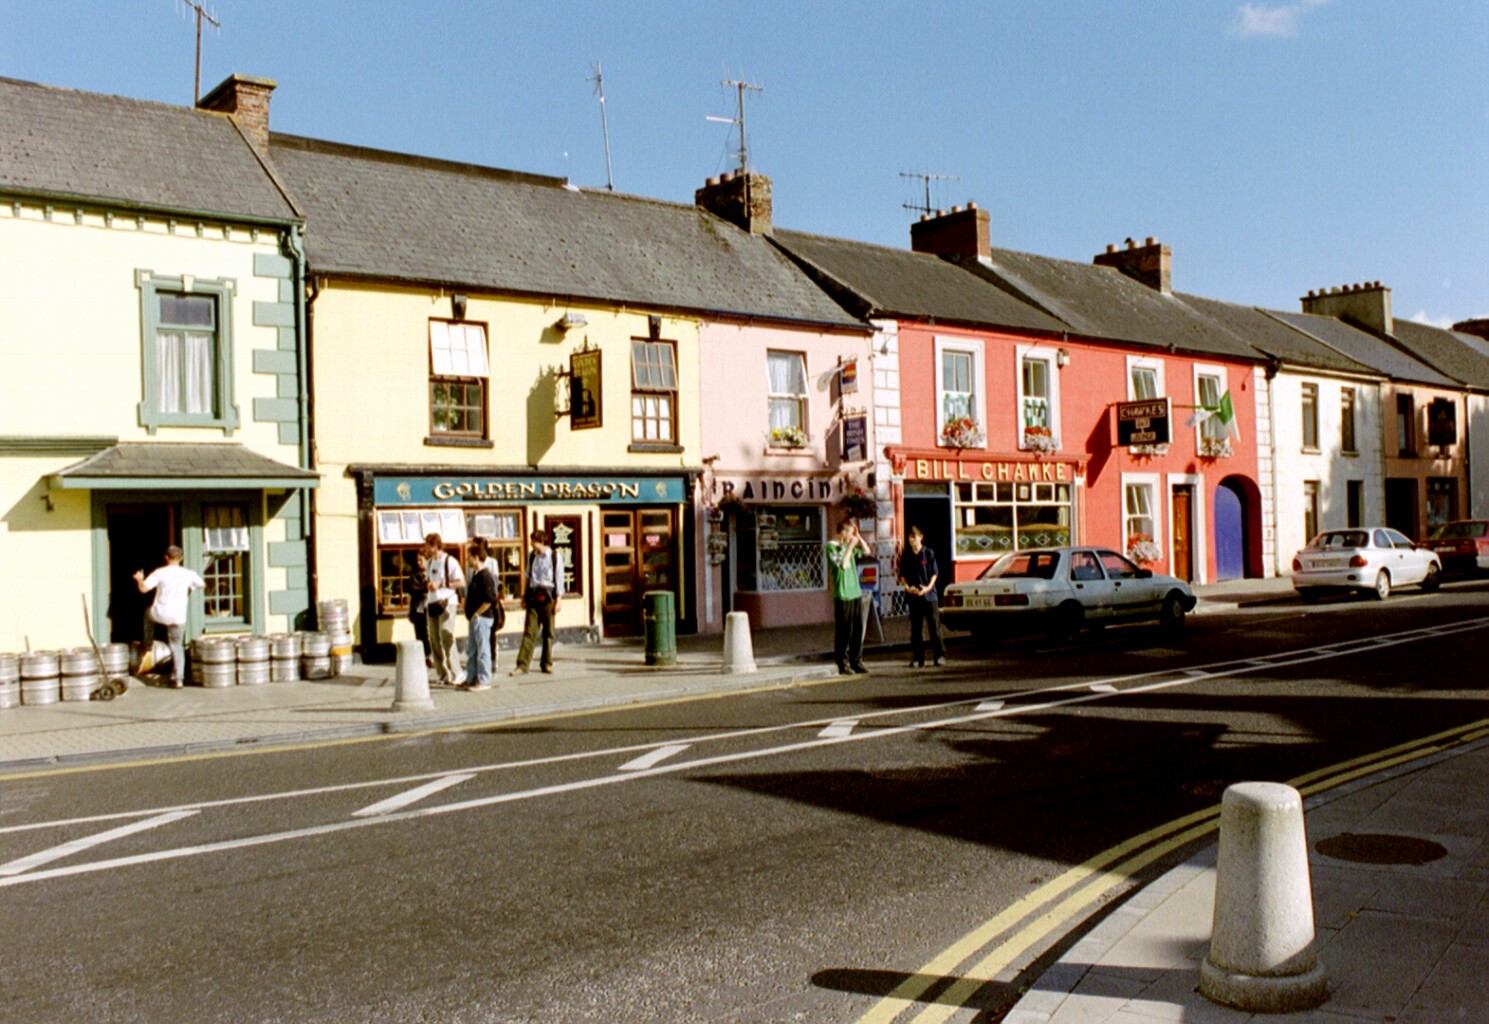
1214 448
858 504
962 432
1040 441
732 504
1142 550
788 437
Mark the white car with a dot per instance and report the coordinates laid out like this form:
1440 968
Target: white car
1063 590
1374 559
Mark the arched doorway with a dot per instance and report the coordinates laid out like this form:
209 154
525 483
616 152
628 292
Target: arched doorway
1237 552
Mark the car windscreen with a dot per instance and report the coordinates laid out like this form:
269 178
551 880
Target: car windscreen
1038 565
1338 540
1458 531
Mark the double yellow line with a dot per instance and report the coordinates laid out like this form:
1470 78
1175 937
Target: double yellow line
1071 893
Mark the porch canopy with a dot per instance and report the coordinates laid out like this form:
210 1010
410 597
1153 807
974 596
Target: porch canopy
167 465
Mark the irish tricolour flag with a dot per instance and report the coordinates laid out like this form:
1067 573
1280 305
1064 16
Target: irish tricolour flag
1222 412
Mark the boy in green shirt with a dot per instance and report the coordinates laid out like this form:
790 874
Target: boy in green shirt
849 609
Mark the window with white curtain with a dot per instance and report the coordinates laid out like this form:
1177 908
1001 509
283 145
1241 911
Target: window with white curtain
226 546
187 352
653 392
1207 386
1139 521
787 372
458 375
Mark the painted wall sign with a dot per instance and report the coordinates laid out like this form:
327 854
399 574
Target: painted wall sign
1442 422
855 438
522 490
798 489
986 470
1144 422
563 534
584 390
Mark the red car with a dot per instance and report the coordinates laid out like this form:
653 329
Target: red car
1462 546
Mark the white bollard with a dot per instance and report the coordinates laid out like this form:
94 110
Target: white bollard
413 678
739 650
1261 946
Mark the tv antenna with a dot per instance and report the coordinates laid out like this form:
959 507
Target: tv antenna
202 14
925 180
739 86
599 81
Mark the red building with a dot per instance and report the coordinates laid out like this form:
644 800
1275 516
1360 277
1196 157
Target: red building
997 393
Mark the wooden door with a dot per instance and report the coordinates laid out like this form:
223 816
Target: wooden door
639 554
1183 532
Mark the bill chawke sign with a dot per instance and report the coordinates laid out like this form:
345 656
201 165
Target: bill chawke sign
1144 422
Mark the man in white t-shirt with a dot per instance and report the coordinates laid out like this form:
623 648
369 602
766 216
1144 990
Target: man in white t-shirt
173 584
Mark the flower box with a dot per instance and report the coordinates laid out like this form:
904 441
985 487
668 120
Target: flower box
787 437
1148 451
1040 441
962 433
1142 550
1214 448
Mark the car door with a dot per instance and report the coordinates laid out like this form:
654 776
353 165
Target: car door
1412 560
1092 589
1133 594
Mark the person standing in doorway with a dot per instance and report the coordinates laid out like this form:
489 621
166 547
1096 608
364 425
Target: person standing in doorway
917 574
849 609
542 590
445 582
173 584
480 609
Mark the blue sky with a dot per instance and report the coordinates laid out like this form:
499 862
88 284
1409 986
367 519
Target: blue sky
1276 146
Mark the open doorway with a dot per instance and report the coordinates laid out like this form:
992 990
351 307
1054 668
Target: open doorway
138 536
928 506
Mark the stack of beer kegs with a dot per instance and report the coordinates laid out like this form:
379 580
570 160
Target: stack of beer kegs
10 681
39 677
284 657
335 621
253 660
218 657
115 660
315 662
80 673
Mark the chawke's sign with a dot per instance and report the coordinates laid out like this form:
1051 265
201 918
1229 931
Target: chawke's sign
662 490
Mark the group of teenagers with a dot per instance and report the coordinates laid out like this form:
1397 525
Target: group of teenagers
440 584
917 572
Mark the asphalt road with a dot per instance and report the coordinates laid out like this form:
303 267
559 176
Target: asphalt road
786 855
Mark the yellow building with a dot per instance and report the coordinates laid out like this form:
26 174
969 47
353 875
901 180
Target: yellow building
152 367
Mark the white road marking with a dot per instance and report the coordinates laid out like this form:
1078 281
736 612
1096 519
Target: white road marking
411 796
837 730
990 705
654 758
1102 688
25 864
1194 673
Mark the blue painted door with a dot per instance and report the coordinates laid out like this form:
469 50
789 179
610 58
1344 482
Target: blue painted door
1230 534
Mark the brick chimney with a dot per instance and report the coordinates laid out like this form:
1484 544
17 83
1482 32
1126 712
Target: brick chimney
246 100
957 232
1367 305
1478 327
741 199
1150 263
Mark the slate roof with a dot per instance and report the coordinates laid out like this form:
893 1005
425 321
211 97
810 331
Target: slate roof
68 145
876 280
1454 354
157 460
393 217
1103 303
1366 348
1274 337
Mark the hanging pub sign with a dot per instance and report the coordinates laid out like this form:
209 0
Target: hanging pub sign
1442 422
584 389
848 377
1144 422
855 438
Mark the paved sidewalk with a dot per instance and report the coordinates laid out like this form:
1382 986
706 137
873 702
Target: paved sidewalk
150 721
1403 942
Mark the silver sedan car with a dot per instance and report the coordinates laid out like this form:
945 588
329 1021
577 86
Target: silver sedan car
1374 559
1063 590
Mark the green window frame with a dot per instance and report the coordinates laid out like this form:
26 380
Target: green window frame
159 330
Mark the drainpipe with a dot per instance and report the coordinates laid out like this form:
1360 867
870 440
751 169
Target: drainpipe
1274 366
295 243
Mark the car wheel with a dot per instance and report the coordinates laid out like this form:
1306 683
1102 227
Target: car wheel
1312 595
1171 614
1433 579
1382 585
1068 621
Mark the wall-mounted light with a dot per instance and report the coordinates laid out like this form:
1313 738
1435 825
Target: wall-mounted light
1062 358
569 321
457 306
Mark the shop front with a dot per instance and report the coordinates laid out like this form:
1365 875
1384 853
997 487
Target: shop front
981 508
618 536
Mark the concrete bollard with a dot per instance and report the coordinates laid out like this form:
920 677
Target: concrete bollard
1261 946
413 678
739 650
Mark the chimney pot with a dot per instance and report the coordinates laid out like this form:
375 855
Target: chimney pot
971 205
712 182
1110 247
1151 241
246 100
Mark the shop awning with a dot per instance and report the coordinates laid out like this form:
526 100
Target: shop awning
165 466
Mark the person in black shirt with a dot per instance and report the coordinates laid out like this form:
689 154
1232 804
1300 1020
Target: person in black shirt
918 572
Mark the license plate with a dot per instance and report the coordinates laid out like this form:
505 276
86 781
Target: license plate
1329 563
